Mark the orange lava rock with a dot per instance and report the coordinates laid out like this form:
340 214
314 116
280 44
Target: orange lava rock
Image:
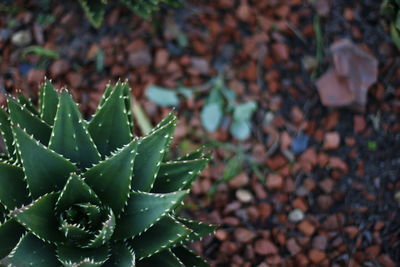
359 123
274 181
280 51
306 228
316 256
265 247
239 181
338 163
331 141
372 251
161 58
352 231
221 235
327 185
300 204
293 247
243 235
36 76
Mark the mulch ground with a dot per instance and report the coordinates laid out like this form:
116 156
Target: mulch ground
327 190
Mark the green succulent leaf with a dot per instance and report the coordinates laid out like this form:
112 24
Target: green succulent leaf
197 154
13 188
107 92
199 229
162 235
79 257
110 127
32 251
45 170
105 233
6 132
70 137
75 234
10 234
164 122
144 210
188 257
22 117
39 218
48 102
121 256
101 178
178 175
76 191
27 103
128 105
164 258
94 11
151 151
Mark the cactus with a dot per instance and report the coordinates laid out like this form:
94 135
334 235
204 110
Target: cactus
89 193
95 9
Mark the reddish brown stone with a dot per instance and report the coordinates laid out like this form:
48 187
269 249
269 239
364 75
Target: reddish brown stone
327 185
265 247
274 181
239 181
325 202
306 228
293 247
221 235
316 256
243 235
36 76
320 242
280 51
352 231
359 124
331 141
300 203
161 58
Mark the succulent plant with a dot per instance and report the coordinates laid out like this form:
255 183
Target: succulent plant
95 9
390 9
89 193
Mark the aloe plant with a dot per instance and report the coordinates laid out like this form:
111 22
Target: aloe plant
95 9
89 193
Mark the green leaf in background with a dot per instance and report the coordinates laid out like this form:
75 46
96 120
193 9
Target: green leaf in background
211 116
397 21
94 11
395 35
240 129
100 60
162 96
244 111
232 168
41 51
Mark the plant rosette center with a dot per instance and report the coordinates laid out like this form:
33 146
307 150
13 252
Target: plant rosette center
82 224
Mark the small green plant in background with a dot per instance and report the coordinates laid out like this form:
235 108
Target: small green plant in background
221 101
95 9
391 10
90 193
